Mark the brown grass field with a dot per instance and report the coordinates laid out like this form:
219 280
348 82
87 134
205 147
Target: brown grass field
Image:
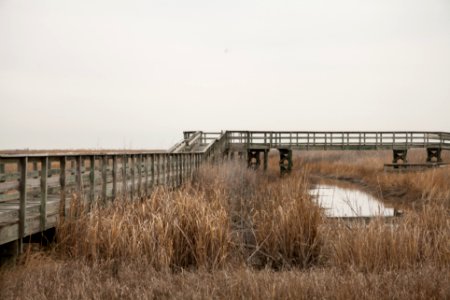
239 234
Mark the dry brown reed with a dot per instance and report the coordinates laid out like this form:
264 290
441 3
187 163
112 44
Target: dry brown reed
170 229
237 233
404 190
419 239
225 211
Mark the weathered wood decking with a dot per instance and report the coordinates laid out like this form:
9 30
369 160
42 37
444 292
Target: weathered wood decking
36 189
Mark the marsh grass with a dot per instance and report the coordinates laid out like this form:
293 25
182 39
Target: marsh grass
406 190
235 233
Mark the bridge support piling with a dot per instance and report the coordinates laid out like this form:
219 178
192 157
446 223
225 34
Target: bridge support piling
254 158
285 161
434 153
240 155
400 154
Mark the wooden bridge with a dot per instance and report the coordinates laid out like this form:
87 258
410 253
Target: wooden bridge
36 189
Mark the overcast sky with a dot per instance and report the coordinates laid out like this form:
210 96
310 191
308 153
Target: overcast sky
135 74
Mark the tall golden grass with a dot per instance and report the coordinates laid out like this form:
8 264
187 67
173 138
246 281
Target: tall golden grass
237 233
404 190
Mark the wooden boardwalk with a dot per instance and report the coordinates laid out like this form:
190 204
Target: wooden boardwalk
37 189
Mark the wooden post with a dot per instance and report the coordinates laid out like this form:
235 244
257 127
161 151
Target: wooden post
92 179
23 200
146 170
133 176
177 170
139 169
163 169
181 162
168 170
266 159
153 169
62 182
114 176
79 179
43 207
104 161
124 177
189 161
158 170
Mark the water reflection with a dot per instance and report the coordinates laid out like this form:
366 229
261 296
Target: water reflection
341 202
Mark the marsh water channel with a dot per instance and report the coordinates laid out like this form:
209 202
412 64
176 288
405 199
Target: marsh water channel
348 202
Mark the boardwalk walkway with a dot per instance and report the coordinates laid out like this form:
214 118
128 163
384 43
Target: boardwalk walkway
37 189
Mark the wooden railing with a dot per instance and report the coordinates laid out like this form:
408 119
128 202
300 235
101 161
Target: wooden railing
36 189
333 140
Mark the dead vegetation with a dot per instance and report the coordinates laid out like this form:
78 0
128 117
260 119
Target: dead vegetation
237 234
404 190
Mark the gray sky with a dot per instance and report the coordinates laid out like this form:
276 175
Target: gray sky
135 74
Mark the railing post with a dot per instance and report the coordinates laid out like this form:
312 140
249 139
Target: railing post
78 177
133 176
114 177
180 162
23 200
139 171
146 169
174 169
168 170
43 207
158 169
92 179
163 179
152 158
104 162
62 182
124 177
